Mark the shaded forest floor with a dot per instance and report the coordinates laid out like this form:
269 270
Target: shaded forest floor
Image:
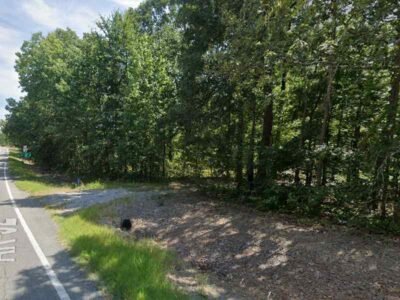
246 254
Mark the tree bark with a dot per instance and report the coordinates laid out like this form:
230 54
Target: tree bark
239 141
323 137
266 142
301 140
250 159
354 168
396 211
327 104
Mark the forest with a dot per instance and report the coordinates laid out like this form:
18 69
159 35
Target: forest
287 105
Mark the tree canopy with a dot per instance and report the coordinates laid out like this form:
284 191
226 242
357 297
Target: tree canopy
295 102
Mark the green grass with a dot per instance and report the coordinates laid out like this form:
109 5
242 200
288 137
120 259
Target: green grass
128 269
29 179
26 178
101 185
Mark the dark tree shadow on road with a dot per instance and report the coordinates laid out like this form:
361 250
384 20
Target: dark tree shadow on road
34 284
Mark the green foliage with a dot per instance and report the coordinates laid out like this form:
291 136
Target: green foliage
301 200
3 140
296 102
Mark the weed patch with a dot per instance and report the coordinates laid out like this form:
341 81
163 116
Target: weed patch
128 269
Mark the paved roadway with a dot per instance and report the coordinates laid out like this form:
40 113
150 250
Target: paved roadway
33 263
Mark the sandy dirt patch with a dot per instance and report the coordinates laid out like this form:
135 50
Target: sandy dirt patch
251 255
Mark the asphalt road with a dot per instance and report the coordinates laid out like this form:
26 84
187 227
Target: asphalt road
33 263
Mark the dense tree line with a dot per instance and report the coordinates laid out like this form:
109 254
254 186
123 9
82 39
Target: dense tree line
293 101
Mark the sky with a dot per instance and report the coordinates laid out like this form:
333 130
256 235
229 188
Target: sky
20 18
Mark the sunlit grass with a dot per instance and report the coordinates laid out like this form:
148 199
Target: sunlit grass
28 179
128 269
101 185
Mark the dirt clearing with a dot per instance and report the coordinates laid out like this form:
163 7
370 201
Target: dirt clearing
246 254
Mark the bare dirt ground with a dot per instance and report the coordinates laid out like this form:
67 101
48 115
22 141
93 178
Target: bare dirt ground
233 252
251 255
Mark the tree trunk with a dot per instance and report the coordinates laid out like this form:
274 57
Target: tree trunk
266 142
354 168
327 104
396 211
239 142
338 144
229 135
309 167
323 137
301 140
164 159
250 159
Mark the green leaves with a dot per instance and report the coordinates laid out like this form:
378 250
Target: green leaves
296 92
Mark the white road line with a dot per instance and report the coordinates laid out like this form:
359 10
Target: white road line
62 293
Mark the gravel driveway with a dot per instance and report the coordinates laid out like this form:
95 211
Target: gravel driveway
70 202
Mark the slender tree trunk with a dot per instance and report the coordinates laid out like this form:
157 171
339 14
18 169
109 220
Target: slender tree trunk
301 140
239 142
385 190
396 212
229 135
323 137
250 161
310 165
354 167
338 144
164 159
327 104
266 142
